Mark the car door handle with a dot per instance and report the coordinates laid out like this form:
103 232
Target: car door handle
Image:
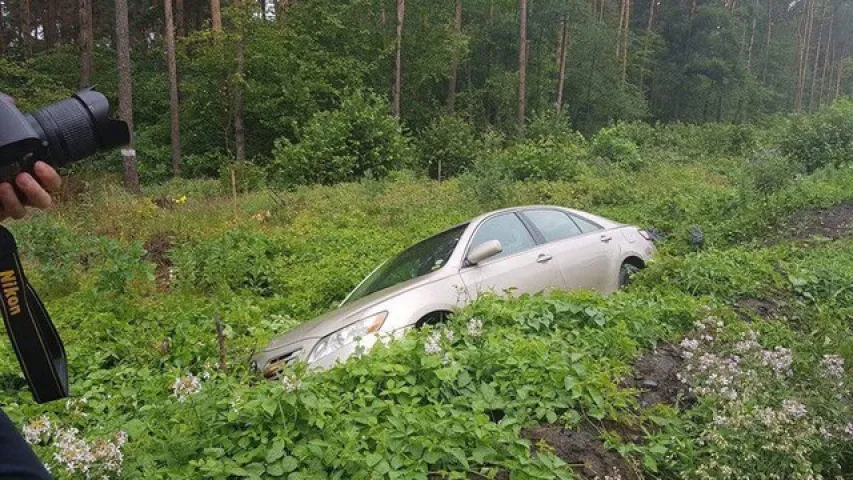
606 238
544 258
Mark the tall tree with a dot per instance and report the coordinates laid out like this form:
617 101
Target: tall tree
398 60
49 23
174 102
125 94
454 67
817 55
522 62
561 62
87 42
27 27
625 37
239 130
215 15
180 19
767 41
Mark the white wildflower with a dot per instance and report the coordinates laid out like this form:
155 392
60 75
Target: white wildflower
73 453
185 386
779 359
475 327
38 430
833 366
290 383
432 345
448 334
794 409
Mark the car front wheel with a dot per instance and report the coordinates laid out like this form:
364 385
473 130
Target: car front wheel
626 271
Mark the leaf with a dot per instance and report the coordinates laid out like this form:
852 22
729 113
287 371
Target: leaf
276 451
270 405
289 464
275 470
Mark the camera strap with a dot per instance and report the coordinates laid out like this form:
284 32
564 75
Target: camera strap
34 338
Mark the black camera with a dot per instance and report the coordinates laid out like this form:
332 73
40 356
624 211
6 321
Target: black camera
61 133
64 132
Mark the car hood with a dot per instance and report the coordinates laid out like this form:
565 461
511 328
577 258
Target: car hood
350 312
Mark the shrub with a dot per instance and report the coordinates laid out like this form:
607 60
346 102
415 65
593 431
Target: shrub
233 261
823 139
769 171
342 145
247 176
543 159
447 147
609 145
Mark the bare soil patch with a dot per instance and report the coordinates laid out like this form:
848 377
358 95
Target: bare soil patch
833 222
157 248
656 377
583 450
764 308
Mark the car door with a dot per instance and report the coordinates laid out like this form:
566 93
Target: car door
582 250
523 266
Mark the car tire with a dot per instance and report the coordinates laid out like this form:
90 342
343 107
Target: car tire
626 271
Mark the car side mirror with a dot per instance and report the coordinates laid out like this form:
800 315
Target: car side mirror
483 251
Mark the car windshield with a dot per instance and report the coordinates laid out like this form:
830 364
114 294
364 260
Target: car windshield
419 259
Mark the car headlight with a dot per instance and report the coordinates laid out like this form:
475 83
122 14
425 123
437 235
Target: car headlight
347 335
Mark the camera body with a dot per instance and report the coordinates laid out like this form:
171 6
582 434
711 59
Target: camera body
61 133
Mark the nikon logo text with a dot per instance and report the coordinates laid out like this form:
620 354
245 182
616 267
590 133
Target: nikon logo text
9 283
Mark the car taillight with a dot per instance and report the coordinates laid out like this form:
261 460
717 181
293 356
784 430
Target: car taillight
645 234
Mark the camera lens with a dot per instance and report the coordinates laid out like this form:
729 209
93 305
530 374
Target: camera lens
77 127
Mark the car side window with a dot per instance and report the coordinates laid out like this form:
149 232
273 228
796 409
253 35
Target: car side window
585 225
553 224
508 230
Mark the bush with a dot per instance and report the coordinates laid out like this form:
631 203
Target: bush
235 261
609 145
343 145
769 171
543 159
447 147
247 175
823 139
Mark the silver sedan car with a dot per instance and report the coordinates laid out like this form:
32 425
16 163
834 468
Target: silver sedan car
515 250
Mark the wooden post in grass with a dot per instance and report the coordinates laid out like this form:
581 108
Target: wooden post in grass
234 191
220 338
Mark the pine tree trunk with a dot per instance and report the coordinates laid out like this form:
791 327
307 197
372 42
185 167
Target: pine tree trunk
174 102
2 32
27 28
398 60
215 16
51 32
564 47
454 67
619 30
625 38
180 19
767 41
239 131
125 94
87 43
751 45
839 74
802 67
522 63
652 4
827 60
817 55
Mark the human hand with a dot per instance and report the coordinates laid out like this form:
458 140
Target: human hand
33 190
